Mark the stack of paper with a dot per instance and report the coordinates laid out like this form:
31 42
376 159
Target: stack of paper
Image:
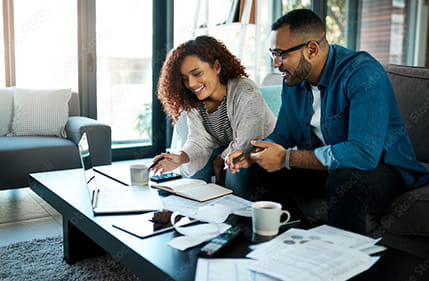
188 207
322 253
215 212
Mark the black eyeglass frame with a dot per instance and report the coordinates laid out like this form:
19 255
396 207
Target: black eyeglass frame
279 53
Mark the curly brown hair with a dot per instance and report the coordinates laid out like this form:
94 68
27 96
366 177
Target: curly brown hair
174 96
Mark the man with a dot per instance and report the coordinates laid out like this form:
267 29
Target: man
339 112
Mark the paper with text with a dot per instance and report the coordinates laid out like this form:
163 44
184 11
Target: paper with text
228 270
314 261
360 241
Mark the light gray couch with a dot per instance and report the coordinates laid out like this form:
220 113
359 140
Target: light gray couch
21 155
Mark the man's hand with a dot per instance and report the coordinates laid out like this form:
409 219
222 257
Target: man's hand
269 155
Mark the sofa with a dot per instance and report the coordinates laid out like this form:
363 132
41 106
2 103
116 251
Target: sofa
404 225
21 154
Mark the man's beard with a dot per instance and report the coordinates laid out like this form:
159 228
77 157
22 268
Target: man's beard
301 72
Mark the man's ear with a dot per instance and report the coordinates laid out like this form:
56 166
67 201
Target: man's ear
313 49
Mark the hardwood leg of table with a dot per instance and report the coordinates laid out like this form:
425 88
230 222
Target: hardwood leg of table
77 245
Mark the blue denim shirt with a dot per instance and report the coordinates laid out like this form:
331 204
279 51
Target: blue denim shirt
360 119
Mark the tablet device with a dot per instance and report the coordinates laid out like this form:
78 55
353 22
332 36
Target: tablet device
151 223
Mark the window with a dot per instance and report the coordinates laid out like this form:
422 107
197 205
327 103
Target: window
288 5
53 43
383 30
45 43
336 22
226 21
2 59
124 70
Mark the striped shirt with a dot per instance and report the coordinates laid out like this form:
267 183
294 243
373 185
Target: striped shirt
217 123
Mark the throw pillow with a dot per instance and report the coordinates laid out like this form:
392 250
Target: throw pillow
40 112
6 105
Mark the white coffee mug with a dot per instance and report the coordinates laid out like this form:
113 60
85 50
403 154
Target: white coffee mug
266 217
139 174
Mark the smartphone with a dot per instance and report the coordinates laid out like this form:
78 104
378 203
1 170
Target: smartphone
166 177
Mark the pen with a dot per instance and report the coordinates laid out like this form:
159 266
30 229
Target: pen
94 198
247 151
238 158
156 162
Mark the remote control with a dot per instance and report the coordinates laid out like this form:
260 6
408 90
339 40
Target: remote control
218 243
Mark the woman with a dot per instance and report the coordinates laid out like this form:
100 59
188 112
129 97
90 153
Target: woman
225 110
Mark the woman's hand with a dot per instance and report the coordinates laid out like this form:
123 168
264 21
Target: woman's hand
243 162
218 168
169 162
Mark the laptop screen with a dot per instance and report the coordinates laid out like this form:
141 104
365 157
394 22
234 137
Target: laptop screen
85 158
114 197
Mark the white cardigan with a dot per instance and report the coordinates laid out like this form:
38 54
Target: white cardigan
250 117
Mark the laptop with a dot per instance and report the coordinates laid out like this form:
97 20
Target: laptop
110 197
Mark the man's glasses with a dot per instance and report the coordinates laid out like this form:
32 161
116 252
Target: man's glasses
279 53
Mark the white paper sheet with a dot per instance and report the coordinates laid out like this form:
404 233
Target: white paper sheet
187 241
190 207
360 241
196 234
294 237
314 260
215 211
228 270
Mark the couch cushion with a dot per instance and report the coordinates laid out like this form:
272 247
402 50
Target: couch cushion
22 155
411 86
6 105
40 112
408 214
272 96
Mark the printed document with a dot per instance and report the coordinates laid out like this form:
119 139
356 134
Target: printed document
228 269
299 254
314 260
360 241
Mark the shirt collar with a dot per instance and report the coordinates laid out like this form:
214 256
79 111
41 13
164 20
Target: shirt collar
324 79
328 68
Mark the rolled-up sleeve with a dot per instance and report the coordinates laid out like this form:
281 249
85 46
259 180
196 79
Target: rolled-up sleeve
326 157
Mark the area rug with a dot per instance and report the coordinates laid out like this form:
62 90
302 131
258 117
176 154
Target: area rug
42 259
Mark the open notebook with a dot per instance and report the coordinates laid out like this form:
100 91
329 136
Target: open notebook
109 196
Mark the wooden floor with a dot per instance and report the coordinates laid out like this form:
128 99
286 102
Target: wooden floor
25 216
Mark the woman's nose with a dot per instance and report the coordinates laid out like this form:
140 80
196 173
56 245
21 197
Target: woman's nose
192 82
